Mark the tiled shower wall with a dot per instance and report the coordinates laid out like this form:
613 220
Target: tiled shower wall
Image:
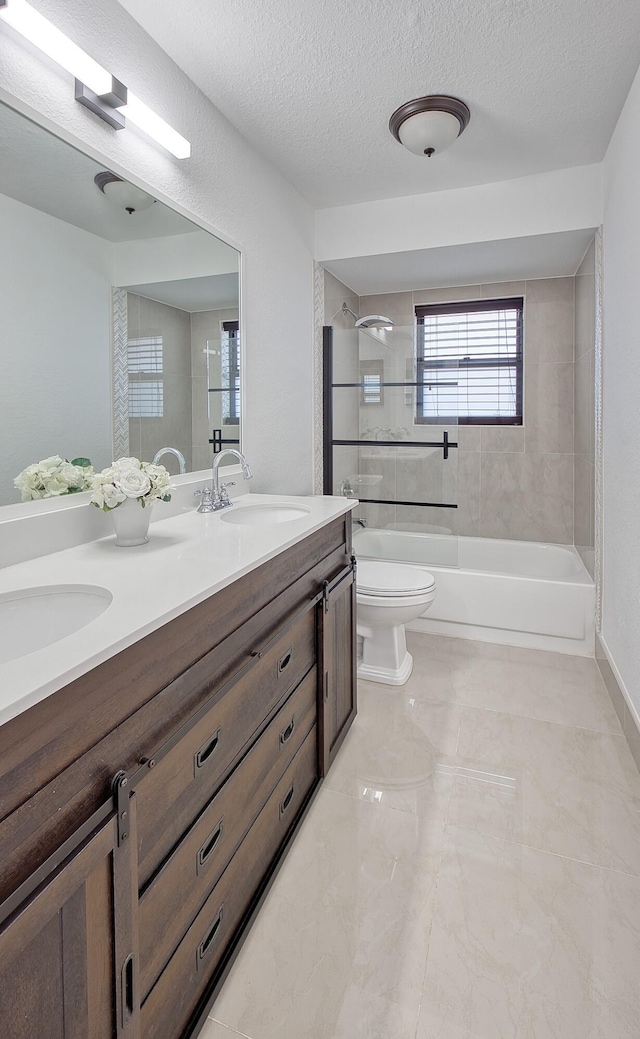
584 427
187 338
513 482
146 317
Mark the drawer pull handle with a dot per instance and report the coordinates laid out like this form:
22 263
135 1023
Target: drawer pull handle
284 661
286 800
287 733
209 845
210 936
207 749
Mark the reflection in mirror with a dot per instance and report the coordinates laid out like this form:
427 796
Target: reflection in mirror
120 318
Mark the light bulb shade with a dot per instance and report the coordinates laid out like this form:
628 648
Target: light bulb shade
122 194
428 125
43 35
429 133
146 120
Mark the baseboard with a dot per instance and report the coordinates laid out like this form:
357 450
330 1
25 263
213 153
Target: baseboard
622 702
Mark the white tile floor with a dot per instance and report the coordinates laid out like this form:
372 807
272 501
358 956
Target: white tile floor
470 869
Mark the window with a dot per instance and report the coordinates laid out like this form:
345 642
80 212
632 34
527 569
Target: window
230 372
469 362
146 388
371 382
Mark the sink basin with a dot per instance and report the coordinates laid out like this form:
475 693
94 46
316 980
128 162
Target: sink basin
33 618
264 515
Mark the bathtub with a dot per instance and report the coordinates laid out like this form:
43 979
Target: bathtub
519 593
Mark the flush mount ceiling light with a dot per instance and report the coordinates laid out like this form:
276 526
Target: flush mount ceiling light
428 125
95 88
122 194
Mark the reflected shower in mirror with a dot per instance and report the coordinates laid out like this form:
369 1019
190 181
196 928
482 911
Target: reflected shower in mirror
120 317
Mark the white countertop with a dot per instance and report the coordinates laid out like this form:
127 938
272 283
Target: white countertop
188 558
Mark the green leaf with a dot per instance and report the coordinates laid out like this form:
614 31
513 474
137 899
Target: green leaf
84 463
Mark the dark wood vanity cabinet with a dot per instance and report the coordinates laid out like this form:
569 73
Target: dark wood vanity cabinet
338 662
145 808
68 953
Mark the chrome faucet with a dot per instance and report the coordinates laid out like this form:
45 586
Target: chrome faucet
217 497
360 520
171 451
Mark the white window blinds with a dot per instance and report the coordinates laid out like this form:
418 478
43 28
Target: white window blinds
469 362
146 387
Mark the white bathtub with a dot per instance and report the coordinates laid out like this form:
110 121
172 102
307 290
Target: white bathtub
519 593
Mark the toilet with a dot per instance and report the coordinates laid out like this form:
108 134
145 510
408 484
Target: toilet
389 595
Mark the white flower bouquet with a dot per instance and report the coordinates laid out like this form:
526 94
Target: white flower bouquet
54 476
130 478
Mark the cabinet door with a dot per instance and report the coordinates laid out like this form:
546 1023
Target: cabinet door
66 954
338 662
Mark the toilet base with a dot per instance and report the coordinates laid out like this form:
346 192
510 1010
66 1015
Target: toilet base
386 675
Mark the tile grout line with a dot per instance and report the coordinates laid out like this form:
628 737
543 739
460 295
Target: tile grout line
233 1031
512 714
543 851
435 897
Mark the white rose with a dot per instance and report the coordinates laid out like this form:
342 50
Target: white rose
127 464
50 463
134 483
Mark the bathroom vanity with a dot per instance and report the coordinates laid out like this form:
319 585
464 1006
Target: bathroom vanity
147 803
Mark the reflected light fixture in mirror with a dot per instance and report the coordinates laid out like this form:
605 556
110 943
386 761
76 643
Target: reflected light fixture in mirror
121 194
96 89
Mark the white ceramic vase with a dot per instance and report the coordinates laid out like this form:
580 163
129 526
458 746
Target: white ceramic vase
131 523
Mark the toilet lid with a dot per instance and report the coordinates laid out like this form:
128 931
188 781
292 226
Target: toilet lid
383 578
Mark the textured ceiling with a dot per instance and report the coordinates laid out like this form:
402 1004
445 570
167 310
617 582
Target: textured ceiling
312 85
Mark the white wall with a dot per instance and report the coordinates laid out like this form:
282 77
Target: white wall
171 258
226 185
55 302
563 200
621 397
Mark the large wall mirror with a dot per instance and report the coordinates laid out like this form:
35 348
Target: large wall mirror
119 318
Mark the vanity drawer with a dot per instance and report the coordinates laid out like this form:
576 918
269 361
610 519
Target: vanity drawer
176 892
182 782
188 974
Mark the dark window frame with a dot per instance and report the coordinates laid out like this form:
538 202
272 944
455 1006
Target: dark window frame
517 363
232 328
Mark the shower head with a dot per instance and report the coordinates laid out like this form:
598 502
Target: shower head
374 321
369 320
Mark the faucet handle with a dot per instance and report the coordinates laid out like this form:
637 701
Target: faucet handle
207 504
224 493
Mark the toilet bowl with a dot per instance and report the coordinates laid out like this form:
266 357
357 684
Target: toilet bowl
389 595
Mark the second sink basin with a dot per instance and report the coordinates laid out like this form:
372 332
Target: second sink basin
265 514
33 618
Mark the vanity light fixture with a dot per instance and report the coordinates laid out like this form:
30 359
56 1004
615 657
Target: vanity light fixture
428 125
95 88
